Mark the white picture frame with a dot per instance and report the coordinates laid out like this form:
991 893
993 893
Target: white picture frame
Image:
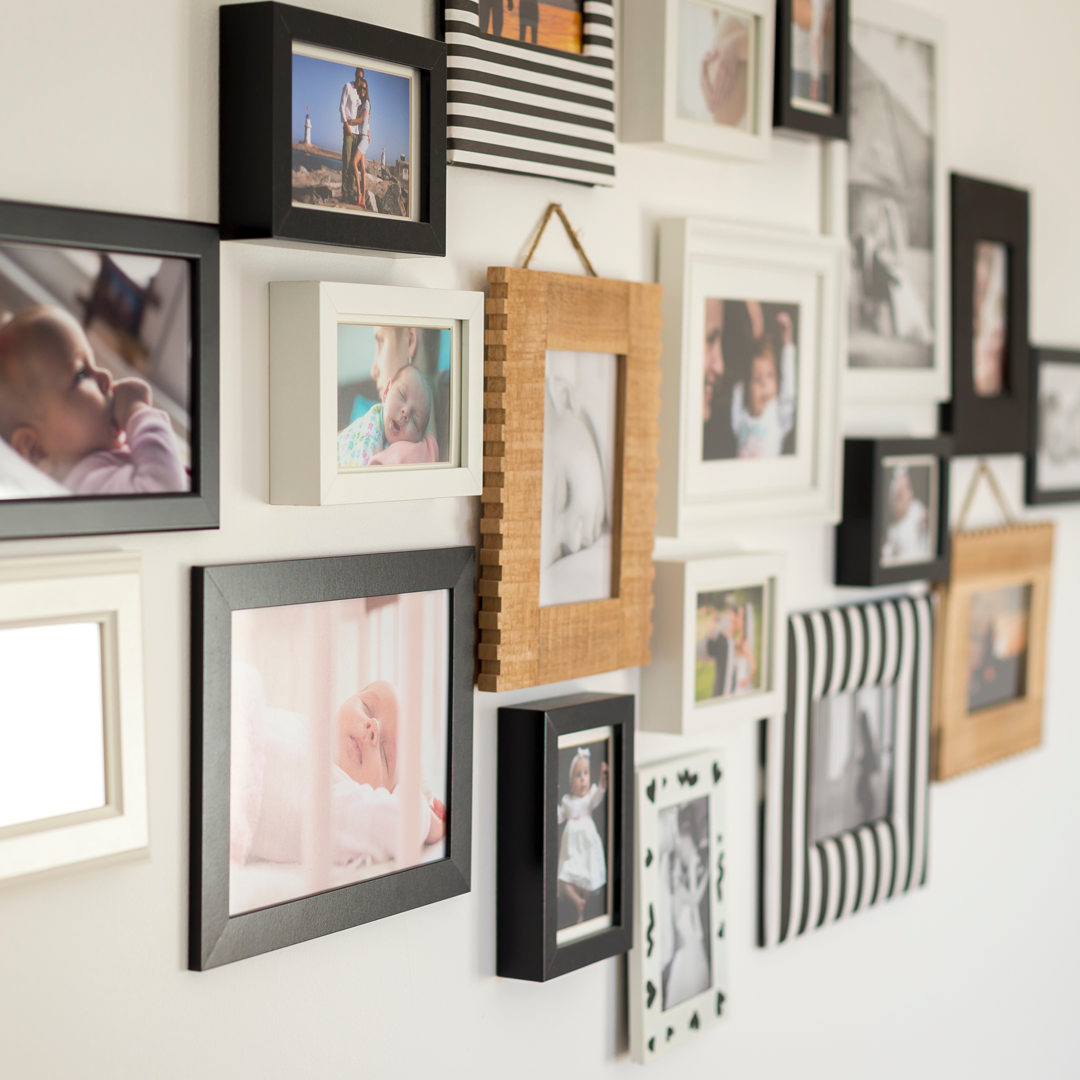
304 320
650 33
709 259
668 684
698 998
104 589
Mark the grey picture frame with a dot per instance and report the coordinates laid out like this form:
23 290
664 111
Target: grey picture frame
1034 494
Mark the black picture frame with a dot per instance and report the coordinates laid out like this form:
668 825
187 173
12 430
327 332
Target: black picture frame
791 117
860 535
527 848
255 148
215 938
94 515
1033 494
984 211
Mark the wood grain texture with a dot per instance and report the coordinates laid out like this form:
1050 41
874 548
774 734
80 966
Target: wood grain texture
528 313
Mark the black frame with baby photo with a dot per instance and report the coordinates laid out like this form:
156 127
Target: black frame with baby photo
256 196
123 234
988 212
217 938
861 534
788 115
1047 447
528 844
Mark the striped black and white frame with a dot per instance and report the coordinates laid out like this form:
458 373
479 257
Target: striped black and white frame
807 884
525 108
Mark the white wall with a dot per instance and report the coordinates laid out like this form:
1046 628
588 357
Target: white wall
112 105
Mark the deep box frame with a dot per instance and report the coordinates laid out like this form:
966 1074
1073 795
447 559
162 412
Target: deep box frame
790 117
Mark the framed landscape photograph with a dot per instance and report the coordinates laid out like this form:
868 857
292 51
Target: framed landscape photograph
811 70
565 814
108 373
350 149
1053 457
375 393
331 745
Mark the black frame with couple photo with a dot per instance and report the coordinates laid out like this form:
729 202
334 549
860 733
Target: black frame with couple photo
300 828
564 848
324 80
108 373
799 104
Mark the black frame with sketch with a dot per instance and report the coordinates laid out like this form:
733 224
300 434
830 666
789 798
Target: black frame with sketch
1034 495
789 116
859 535
527 849
984 211
92 515
215 938
255 146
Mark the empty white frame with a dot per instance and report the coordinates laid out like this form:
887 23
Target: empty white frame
688 43
719 643
305 317
81 794
793 279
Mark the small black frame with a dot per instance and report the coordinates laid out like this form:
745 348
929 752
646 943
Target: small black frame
789 116
859 535
988 425
527 848
93 515
215 938
255 148
1034 495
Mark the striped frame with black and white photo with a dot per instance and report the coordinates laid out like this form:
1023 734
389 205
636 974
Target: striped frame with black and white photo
805 883
525 108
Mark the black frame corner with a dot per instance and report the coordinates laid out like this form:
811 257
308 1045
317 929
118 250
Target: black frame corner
1033 495
787 116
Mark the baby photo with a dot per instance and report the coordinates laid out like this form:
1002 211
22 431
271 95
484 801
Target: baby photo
750 393
578 484
584 834
354 133
851 757
552 24
812 38
95 373
998 646
683 920
910 510
990 318
338 767
716 65
394 396
731 634
1058 458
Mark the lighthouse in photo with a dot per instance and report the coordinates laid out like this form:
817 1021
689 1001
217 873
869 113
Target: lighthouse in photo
307 130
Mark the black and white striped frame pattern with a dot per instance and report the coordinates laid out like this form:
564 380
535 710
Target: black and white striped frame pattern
524 108
806 885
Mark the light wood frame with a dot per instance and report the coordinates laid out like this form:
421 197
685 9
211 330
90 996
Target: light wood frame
528 312
981 561
304 317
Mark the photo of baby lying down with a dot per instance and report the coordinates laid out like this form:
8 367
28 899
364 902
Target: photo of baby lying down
95 373
394 396
338 744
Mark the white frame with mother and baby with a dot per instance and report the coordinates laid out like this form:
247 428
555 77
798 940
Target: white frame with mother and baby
307 366
749 426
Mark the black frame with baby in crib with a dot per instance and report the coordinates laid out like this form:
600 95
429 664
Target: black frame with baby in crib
91 515
527 848
215 938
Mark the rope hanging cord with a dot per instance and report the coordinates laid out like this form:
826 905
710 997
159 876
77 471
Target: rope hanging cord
556 208
995 488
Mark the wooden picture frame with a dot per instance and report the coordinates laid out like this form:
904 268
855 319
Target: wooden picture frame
654 33
223 820
1009 564
104 591
258 42
535 740
304 410
679 846
834 846
671 697
793 113
1053 433
529 313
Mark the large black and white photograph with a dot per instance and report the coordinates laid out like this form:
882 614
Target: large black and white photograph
910 510
715 74
1057 457
891 196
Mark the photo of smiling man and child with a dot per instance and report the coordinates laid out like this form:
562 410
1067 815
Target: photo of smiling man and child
731 635
552 24
998 646
339 731
715 80
95 373
910 510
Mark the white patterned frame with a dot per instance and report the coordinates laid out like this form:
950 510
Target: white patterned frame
807 885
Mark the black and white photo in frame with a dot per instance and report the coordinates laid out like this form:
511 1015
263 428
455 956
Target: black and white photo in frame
1053 460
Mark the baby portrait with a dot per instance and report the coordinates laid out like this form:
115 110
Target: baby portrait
730 636
578 484
750 393
552 24
1058 455
990 318
910 510
95 373
812 67
338 767
998 646
715 76
394 396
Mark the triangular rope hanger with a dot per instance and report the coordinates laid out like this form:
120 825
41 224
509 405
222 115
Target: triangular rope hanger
995 488
556 208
